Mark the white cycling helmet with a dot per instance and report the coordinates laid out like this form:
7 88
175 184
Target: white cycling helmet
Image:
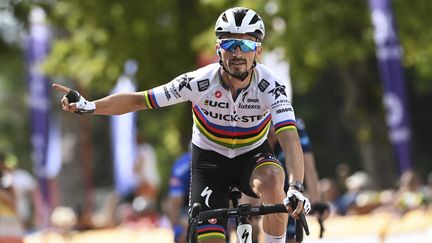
240 20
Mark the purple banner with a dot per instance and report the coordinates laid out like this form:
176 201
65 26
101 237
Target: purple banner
389 53
124 144
39 102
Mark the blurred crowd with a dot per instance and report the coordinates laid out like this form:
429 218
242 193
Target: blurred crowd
354 193
347 193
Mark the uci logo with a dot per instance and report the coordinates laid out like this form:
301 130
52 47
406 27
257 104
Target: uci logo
216 104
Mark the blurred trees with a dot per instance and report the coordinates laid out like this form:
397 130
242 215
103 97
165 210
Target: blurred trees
330 46
328 43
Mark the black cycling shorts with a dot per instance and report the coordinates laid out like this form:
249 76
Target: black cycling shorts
212 177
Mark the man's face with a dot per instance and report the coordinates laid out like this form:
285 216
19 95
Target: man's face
238 61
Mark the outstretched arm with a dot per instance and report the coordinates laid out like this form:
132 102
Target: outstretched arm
115 104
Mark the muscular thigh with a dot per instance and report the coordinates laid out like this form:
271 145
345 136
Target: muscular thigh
210 183
212 176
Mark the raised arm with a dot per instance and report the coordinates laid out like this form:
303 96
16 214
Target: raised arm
115 104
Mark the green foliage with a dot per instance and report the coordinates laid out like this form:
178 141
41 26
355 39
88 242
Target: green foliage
329 45
412 20
14 128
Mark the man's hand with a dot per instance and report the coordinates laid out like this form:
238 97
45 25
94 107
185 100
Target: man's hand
296 203
72 101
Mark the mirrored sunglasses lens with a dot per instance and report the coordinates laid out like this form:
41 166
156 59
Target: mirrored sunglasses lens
248 46
229 45
245 45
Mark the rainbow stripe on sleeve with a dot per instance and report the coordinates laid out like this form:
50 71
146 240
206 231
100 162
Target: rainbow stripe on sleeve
150 99
229 136
285 125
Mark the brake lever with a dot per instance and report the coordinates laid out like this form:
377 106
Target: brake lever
302 220
193 222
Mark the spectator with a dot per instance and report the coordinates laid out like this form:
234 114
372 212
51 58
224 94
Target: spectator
409 195
343 171
329 192
26 189
359 198
11 228
145 169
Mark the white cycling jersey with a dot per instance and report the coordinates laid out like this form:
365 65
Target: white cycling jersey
224 125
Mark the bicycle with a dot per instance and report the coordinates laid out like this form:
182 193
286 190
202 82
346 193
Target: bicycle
241 213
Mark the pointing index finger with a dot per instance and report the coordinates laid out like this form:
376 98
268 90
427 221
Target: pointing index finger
61 88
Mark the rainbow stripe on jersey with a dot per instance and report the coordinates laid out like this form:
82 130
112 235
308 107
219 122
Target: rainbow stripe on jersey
229 136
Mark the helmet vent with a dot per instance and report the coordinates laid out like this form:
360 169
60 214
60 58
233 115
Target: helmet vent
254 19
224 18
239 16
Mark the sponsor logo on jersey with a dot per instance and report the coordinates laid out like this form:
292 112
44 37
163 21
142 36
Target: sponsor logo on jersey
249 100
249 106
278 90
244 96
288 109
173 91
212 221
166 92
263 84
184 82
279 103
232 117
203 85
218 94
213 103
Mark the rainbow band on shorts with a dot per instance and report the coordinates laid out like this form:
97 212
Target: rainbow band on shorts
212 231
270 162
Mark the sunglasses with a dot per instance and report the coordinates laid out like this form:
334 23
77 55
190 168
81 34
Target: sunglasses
245 45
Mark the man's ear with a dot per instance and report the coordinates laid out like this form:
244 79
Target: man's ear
259 50
218 51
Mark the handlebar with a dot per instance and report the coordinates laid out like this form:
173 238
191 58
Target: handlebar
243 210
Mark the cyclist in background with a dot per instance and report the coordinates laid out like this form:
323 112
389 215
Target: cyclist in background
234 104
311 174
178 196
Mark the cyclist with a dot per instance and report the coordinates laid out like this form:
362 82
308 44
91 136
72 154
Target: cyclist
233 103
178 196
